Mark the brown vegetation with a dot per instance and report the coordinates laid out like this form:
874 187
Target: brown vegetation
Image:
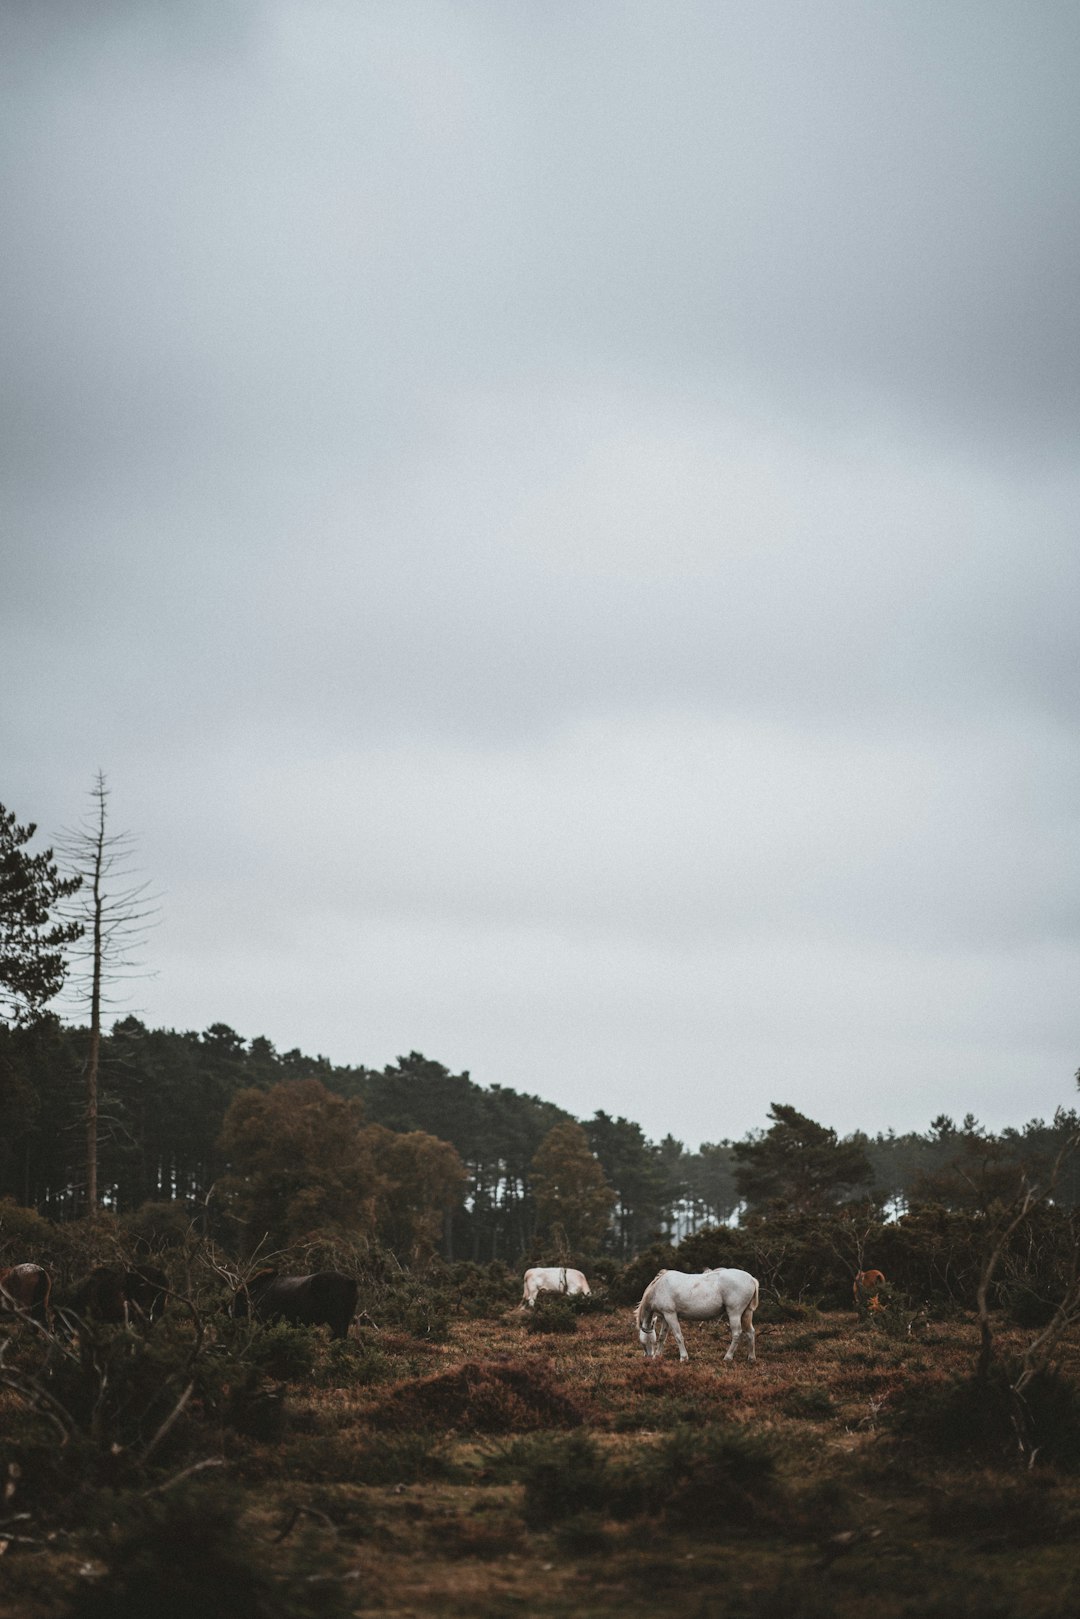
494 1470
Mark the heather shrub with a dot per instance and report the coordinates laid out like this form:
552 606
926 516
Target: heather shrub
184 1553
705 1477
552 1312
810 1402
565 1476
281 1350
481 1396
631 1282
1018 1512
985 1421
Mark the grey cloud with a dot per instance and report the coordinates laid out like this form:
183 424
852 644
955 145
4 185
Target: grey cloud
560 524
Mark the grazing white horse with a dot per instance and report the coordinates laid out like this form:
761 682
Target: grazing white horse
551 1279
675 1293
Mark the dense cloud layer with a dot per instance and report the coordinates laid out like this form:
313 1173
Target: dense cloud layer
559 525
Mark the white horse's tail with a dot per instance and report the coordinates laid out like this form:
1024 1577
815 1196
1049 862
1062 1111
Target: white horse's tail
748 1313
645 1316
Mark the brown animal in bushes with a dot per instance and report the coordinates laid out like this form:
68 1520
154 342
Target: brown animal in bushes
325 1298
27 1288
866 1288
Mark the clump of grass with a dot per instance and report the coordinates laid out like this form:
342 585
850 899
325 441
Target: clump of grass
400 1458
584 1535
812 1401
483 1397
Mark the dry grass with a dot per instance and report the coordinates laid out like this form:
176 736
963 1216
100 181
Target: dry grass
408 1490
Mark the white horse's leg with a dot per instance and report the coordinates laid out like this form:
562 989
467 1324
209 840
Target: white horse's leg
672 1319
741 1327
736 1333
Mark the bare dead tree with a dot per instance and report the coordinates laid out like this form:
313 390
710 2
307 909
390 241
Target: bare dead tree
114 913
1065 1307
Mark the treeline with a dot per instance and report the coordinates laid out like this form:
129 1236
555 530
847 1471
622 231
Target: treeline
181 1113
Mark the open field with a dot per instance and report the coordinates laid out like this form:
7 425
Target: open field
510 1471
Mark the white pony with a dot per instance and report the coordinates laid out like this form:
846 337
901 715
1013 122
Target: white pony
551 1279
672 1293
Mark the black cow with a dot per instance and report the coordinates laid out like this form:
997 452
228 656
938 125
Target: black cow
325 1298
116 1293
27 1288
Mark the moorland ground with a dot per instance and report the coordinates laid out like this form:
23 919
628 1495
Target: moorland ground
480 1467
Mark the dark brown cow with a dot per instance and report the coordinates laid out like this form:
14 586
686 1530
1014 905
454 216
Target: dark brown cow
27 1287
325 1298
114 1293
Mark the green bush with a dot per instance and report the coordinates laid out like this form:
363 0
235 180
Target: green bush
564 1476
353 1361
697 1477
552 1312
706 1477
283 1351
184 1553
631 1282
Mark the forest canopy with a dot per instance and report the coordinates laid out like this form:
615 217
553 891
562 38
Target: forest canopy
422 1159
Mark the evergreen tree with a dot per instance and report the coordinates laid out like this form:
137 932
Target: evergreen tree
800 1164
33 946
641 1179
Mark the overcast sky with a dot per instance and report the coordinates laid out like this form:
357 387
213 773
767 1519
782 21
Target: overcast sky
559 522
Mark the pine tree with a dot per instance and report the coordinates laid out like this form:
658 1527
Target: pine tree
33 947
800 1164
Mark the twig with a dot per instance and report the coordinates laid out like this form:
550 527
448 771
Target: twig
167 1424
196 1467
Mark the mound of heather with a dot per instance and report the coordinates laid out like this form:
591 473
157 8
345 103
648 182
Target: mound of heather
484 1396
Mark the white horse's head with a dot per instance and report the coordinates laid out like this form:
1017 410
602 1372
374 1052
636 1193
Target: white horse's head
647 1339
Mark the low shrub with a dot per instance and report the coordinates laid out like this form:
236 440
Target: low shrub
355 1362
776 1308
483 1291
482 1396
184 1553
984 1420
810 1402
256 1407
1014 1513
707 1477
552 1312
631 1282
565 1476
422 1309
282 1350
